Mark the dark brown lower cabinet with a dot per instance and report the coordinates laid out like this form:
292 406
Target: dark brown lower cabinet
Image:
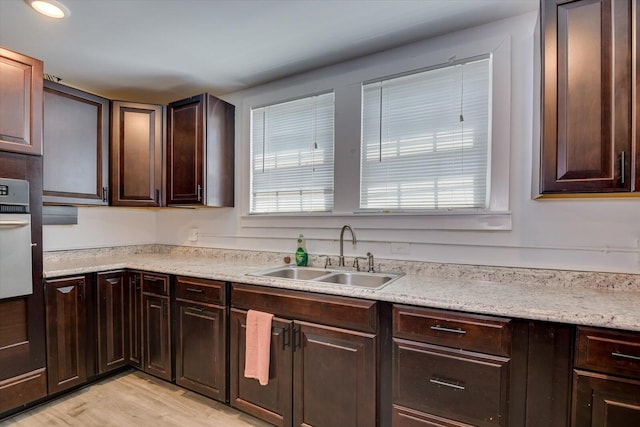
66 311
134 314
272 402
334 376
606 381
201 336
320 374
456 369
113 327
156 321
605 401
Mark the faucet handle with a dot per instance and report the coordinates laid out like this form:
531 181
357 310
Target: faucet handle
327 261
370 261
356 265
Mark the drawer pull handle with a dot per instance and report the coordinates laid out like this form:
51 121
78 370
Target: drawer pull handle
624 356
197 291
151 279
453 331
437 381
198 309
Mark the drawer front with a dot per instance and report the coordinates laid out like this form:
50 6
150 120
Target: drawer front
486 334
343 312
405 417
23 389
157 284
200 290
455 384
606 351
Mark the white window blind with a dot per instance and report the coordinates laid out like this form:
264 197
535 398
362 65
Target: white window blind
292 156
425 139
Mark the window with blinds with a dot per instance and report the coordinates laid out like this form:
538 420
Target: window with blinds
292 156
425 139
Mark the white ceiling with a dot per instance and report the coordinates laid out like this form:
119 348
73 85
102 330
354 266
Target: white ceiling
163 50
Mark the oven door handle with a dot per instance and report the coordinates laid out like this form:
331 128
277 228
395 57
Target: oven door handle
13 223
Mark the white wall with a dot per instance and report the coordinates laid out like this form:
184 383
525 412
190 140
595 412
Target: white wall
599 235
101 227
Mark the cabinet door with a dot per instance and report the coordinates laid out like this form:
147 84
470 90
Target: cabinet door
157 336
20 103
605 401
273 401
201 362
113 328
185 151
134 310
586 96
76 146
220 152
66 332
334 377
136 154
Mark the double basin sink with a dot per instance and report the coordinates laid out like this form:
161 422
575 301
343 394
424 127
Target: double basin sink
359 279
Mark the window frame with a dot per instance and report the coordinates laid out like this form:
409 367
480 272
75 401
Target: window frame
345 80
489 100
251 170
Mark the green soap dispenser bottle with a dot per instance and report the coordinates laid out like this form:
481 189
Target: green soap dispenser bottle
301 253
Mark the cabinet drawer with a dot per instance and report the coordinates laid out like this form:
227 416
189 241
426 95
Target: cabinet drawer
611 352
405 417
23 389
200 290
155 284
455 384
486 334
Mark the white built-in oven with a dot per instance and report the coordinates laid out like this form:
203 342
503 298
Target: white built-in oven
15 239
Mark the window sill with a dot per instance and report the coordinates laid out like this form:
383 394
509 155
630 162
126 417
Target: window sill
473 221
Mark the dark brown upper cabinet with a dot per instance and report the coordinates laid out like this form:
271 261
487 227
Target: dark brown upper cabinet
200 152
76 146
136 154
586 97
20 103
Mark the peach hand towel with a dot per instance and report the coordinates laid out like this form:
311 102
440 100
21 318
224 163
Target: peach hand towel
258 346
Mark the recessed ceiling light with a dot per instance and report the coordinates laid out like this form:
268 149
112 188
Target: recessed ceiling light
50 8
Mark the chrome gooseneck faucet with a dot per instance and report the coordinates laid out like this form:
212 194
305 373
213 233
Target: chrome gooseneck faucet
353 240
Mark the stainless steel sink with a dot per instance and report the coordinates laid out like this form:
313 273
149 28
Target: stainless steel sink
363 280
297 273
358 279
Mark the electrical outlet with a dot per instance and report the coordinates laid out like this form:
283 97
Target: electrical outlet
400 248
193 235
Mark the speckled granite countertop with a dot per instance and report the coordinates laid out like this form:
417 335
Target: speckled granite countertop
613 302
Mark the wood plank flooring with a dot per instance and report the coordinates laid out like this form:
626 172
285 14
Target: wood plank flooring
133 399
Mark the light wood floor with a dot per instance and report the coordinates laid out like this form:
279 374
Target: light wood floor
133 399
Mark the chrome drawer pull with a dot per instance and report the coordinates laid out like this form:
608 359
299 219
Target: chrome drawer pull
197 291
198 309
443 329
446 384
624 356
